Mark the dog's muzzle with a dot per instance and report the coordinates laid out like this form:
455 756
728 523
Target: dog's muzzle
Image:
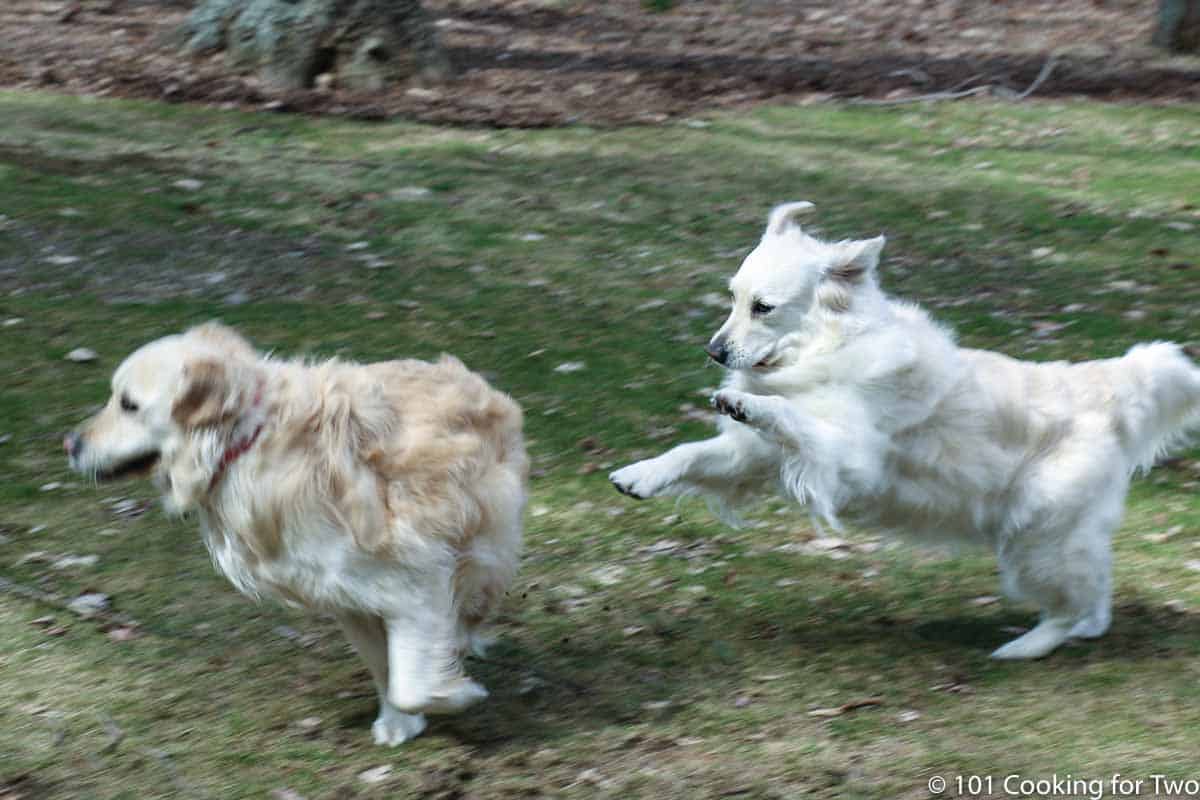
717 351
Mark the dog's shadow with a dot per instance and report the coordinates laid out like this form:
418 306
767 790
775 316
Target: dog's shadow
541 691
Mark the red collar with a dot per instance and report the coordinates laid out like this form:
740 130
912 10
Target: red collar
231 454
238 448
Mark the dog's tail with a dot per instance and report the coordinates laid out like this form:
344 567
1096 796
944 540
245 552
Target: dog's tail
1162 409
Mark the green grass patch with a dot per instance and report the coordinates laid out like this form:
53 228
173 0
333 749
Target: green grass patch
646 650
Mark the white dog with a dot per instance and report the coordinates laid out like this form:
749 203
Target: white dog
855 402
389 495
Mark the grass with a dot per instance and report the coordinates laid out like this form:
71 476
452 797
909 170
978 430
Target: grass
646 650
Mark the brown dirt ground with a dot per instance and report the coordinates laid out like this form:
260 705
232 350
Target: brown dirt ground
547 62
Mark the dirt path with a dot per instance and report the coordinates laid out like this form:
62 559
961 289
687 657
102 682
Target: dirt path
539 62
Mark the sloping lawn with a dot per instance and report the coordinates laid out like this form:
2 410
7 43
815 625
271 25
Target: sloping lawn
646 651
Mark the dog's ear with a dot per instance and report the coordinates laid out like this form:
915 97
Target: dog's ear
857 262
204 396
784 216
224 337
854 267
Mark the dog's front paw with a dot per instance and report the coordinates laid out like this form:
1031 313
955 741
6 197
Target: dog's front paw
394 727
733 404
637 480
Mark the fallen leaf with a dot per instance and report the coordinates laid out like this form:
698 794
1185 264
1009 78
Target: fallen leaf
826 712
609 575
375 774
953 687
309 724
568 367
70 562
828 543
410 193
123 633
35 557
846 708
1159 538
82 355
89 604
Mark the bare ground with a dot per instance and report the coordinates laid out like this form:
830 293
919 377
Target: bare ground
535 63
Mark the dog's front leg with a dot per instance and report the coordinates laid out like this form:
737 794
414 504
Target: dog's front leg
425 673
772 416
367 634
711 465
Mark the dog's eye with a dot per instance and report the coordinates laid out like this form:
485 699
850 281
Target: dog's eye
128 405
760 308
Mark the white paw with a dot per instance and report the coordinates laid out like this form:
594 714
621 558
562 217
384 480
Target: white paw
394 727
639 481
733 404
1041 641
448 698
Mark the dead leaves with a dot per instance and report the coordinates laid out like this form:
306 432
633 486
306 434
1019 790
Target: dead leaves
846 708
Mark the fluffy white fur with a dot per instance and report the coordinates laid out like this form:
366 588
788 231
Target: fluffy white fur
389 494
855 403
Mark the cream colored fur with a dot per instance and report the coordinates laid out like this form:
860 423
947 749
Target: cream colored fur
856 403
388 494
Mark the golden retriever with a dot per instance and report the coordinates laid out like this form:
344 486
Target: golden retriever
389 495
855 403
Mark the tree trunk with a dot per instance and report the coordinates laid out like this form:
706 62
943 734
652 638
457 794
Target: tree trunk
360 44
1178 26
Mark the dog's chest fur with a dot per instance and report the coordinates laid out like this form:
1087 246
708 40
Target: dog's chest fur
319 567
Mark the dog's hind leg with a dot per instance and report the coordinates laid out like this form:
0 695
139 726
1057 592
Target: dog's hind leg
1068 575
486 571
424 671
366 633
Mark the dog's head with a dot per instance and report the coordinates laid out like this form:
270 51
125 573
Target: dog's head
783 287
174 402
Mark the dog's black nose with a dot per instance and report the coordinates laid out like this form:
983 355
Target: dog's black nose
72 444
717 351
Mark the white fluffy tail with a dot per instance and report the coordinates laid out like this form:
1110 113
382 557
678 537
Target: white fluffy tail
1162 408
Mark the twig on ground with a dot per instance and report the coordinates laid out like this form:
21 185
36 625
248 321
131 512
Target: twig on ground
1047 68
954 94
921 98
